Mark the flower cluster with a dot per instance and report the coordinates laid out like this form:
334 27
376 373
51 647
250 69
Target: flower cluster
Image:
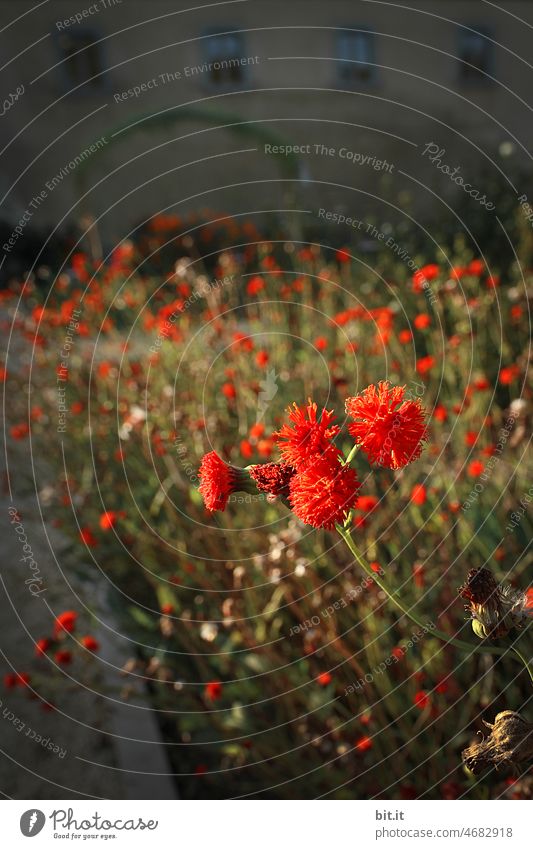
313 477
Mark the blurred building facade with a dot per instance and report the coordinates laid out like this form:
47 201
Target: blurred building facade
361 87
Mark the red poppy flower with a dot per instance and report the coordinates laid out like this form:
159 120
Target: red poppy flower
323 493
324 679
418 575
63 657
90 643
257 430
321 343
440 414
421 700
422 321
247 450
229 391
19 431
424 275
475 469
108 520
308 437
471 437
418 494
213 691
262 358
366 503
405 336
475 267
343 255
425 364
273 478
508 374
219 480
364 744
66 621
265 447
389 429
255 285
88 537
42 646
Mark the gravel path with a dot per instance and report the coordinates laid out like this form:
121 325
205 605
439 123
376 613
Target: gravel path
86 747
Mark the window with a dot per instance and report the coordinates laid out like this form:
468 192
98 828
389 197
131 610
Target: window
475 55
225 59
82 58
356 51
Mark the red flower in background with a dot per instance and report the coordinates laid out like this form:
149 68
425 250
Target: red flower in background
476 267
343 255
229 391
42 646
255 285
422 321
508 374
322 494
440 414
213 691
475 469
90 643
364 744
247 450
308 436
65 621
219 480
421 700
366 503
425 364
108 520
418 494
423 276
324 679
388 428
88 537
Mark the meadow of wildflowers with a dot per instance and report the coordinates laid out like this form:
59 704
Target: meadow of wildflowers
291 472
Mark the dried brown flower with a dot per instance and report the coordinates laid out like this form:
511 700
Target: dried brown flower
509 744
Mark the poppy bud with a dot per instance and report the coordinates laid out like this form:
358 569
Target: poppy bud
495 609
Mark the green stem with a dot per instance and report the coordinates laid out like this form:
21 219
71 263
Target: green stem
460 644
527 665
